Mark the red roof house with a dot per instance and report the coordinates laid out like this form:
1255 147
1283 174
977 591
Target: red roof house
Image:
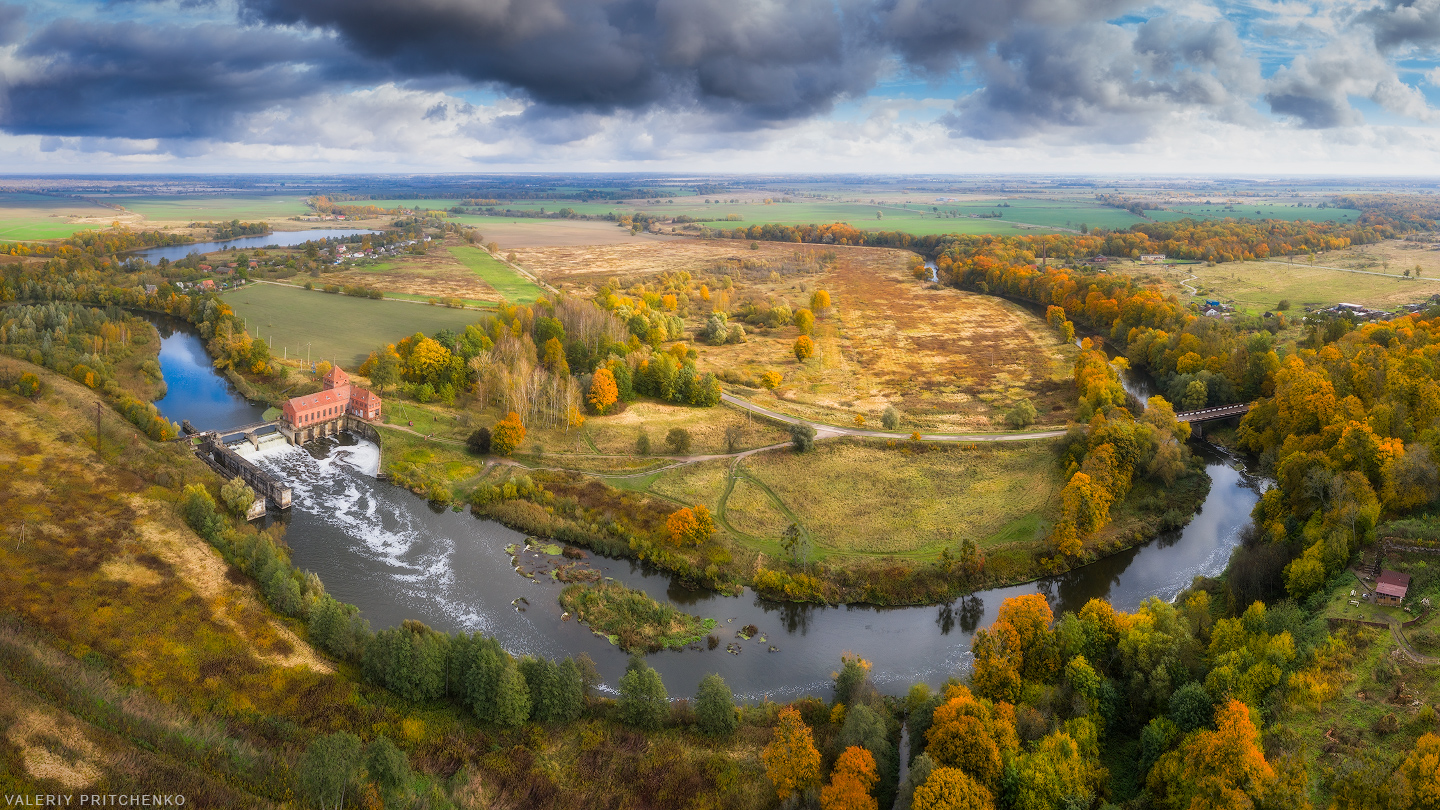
1390 589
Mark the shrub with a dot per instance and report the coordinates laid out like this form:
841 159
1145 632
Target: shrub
1020 415
802 437
678 440
804 348
890 419
328 769
479 442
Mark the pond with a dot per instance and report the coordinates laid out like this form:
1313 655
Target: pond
397 557
276 239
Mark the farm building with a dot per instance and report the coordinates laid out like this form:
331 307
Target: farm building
1152 258
1391 587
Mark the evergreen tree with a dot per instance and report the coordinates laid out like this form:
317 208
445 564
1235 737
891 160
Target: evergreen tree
644 702
715 707
512 697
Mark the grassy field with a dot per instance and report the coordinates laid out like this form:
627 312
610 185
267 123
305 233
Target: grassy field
1017 215
245 207
514 287
1259 286
40 216
336 327
863 500
1255 210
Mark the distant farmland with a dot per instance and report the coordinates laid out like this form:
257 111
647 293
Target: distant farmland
40 216
248 208
335 326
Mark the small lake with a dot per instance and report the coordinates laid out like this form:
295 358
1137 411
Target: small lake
194 389
397 557
275 239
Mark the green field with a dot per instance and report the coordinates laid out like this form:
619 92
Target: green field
247 207
39 216
335 326
919 217
516 288
1283 211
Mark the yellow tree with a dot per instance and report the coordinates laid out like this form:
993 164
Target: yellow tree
819 301
850 782
804 321
1220 768
603 390
507 434
553 357
791 761
952 789
804 348
1421 771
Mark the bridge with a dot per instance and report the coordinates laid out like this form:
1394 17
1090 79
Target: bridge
1194 418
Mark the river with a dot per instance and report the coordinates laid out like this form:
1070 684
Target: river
276 239
397 557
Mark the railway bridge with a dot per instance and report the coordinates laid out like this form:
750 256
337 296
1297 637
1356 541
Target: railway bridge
1194 418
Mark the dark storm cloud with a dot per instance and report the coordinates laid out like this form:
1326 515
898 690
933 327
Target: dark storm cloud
933 34
760 59
1397 24
143 81
1114 83
12 23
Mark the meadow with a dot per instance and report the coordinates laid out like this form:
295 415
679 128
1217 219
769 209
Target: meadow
1259 286
1255 210
336 327
244 207
949 360
512 286
40 216
1022 215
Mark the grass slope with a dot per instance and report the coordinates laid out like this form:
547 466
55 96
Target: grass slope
336 327
514 287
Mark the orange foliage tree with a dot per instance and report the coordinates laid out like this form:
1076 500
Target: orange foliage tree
507 434
791 762
850 782
603 390
952 789
690 526
804 348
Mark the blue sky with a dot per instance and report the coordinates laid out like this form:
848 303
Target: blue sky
1192 86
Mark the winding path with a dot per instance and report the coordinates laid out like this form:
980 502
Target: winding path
824 431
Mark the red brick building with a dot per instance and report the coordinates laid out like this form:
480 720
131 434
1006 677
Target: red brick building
323 413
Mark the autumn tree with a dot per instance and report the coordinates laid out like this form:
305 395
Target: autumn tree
851 782
237 495
553 358
507 434
804 348
819 301
603 390
804 321
791 761
952 789
771 379
1421 772
1214 768
690 526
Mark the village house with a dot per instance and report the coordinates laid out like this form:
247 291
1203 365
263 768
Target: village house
1152 258
1390 589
